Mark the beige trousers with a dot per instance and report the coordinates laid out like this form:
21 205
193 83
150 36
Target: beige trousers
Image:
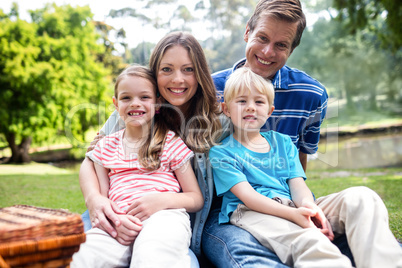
163 242
358 211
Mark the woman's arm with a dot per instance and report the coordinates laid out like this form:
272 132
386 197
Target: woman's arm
190 198
100 207
103 179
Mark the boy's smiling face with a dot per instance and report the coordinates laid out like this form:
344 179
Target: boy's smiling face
248 111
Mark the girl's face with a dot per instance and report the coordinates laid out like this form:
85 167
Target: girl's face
176 77
135 101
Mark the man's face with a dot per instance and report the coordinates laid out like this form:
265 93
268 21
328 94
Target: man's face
269 45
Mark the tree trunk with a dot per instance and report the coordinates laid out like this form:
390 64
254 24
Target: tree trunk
19 153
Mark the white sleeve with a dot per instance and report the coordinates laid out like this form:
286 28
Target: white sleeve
113 124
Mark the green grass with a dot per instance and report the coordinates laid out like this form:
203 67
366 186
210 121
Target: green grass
48 186
40 185
387 183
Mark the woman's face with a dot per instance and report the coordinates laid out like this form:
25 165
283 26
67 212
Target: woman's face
176 77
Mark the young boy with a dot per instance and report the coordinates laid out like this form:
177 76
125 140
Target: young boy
262 183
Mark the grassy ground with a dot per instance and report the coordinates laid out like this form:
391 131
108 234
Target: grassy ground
40 185
387 183
47 186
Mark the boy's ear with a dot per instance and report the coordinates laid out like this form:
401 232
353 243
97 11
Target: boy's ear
271 110
115 102
225 109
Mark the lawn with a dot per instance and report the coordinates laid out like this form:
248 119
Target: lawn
40 185
47 186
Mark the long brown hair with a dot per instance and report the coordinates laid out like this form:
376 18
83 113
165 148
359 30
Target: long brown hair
198 126
149 153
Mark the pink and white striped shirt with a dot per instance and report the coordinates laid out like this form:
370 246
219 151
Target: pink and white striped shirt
128 179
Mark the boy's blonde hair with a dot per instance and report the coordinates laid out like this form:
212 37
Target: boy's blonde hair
243 79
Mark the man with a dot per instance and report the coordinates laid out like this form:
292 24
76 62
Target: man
272 33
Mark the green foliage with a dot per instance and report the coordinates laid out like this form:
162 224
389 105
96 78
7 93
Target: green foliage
369 14
47 68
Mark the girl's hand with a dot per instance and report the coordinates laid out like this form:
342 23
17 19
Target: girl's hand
101 211
94 142
145 206
128 230
319 220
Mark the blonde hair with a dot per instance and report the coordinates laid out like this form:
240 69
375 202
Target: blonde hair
243 79
201 121
149 152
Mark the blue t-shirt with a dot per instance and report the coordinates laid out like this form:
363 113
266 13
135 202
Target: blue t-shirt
300 105
268 173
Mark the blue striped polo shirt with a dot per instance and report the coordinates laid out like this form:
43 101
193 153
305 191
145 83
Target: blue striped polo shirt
300 105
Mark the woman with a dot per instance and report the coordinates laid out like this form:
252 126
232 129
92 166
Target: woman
184 81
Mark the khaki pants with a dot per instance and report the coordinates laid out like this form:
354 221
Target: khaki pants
359 212
163 242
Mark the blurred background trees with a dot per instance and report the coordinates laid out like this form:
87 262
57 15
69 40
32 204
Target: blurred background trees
63 58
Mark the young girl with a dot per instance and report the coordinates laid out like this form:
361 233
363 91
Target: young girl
142 160
184 82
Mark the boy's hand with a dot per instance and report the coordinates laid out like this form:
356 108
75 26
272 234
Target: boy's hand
303 216
128 230
145 206
319 220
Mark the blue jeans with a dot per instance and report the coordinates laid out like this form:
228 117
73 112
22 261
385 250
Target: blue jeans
230 246
87 226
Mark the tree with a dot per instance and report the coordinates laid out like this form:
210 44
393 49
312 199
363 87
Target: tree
48 68
383 17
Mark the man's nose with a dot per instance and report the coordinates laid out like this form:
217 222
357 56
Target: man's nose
269 50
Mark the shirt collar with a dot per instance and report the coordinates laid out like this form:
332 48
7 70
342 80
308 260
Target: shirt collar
280 80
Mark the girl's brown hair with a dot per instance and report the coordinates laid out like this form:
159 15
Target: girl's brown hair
199 126
149 153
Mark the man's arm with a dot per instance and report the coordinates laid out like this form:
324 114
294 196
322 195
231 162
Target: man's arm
303 160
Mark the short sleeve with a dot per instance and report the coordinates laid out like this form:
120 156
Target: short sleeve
295 167
227 171
177 152
113 124
311 133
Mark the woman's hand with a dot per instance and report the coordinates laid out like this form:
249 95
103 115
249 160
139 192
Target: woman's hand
94 142
128 230
102 212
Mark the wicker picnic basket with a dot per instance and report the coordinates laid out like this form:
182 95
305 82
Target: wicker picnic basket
38 237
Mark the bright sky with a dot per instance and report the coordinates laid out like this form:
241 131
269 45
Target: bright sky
135 31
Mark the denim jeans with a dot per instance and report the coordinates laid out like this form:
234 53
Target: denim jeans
230 246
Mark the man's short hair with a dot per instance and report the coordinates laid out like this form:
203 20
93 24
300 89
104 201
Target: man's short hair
286 10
